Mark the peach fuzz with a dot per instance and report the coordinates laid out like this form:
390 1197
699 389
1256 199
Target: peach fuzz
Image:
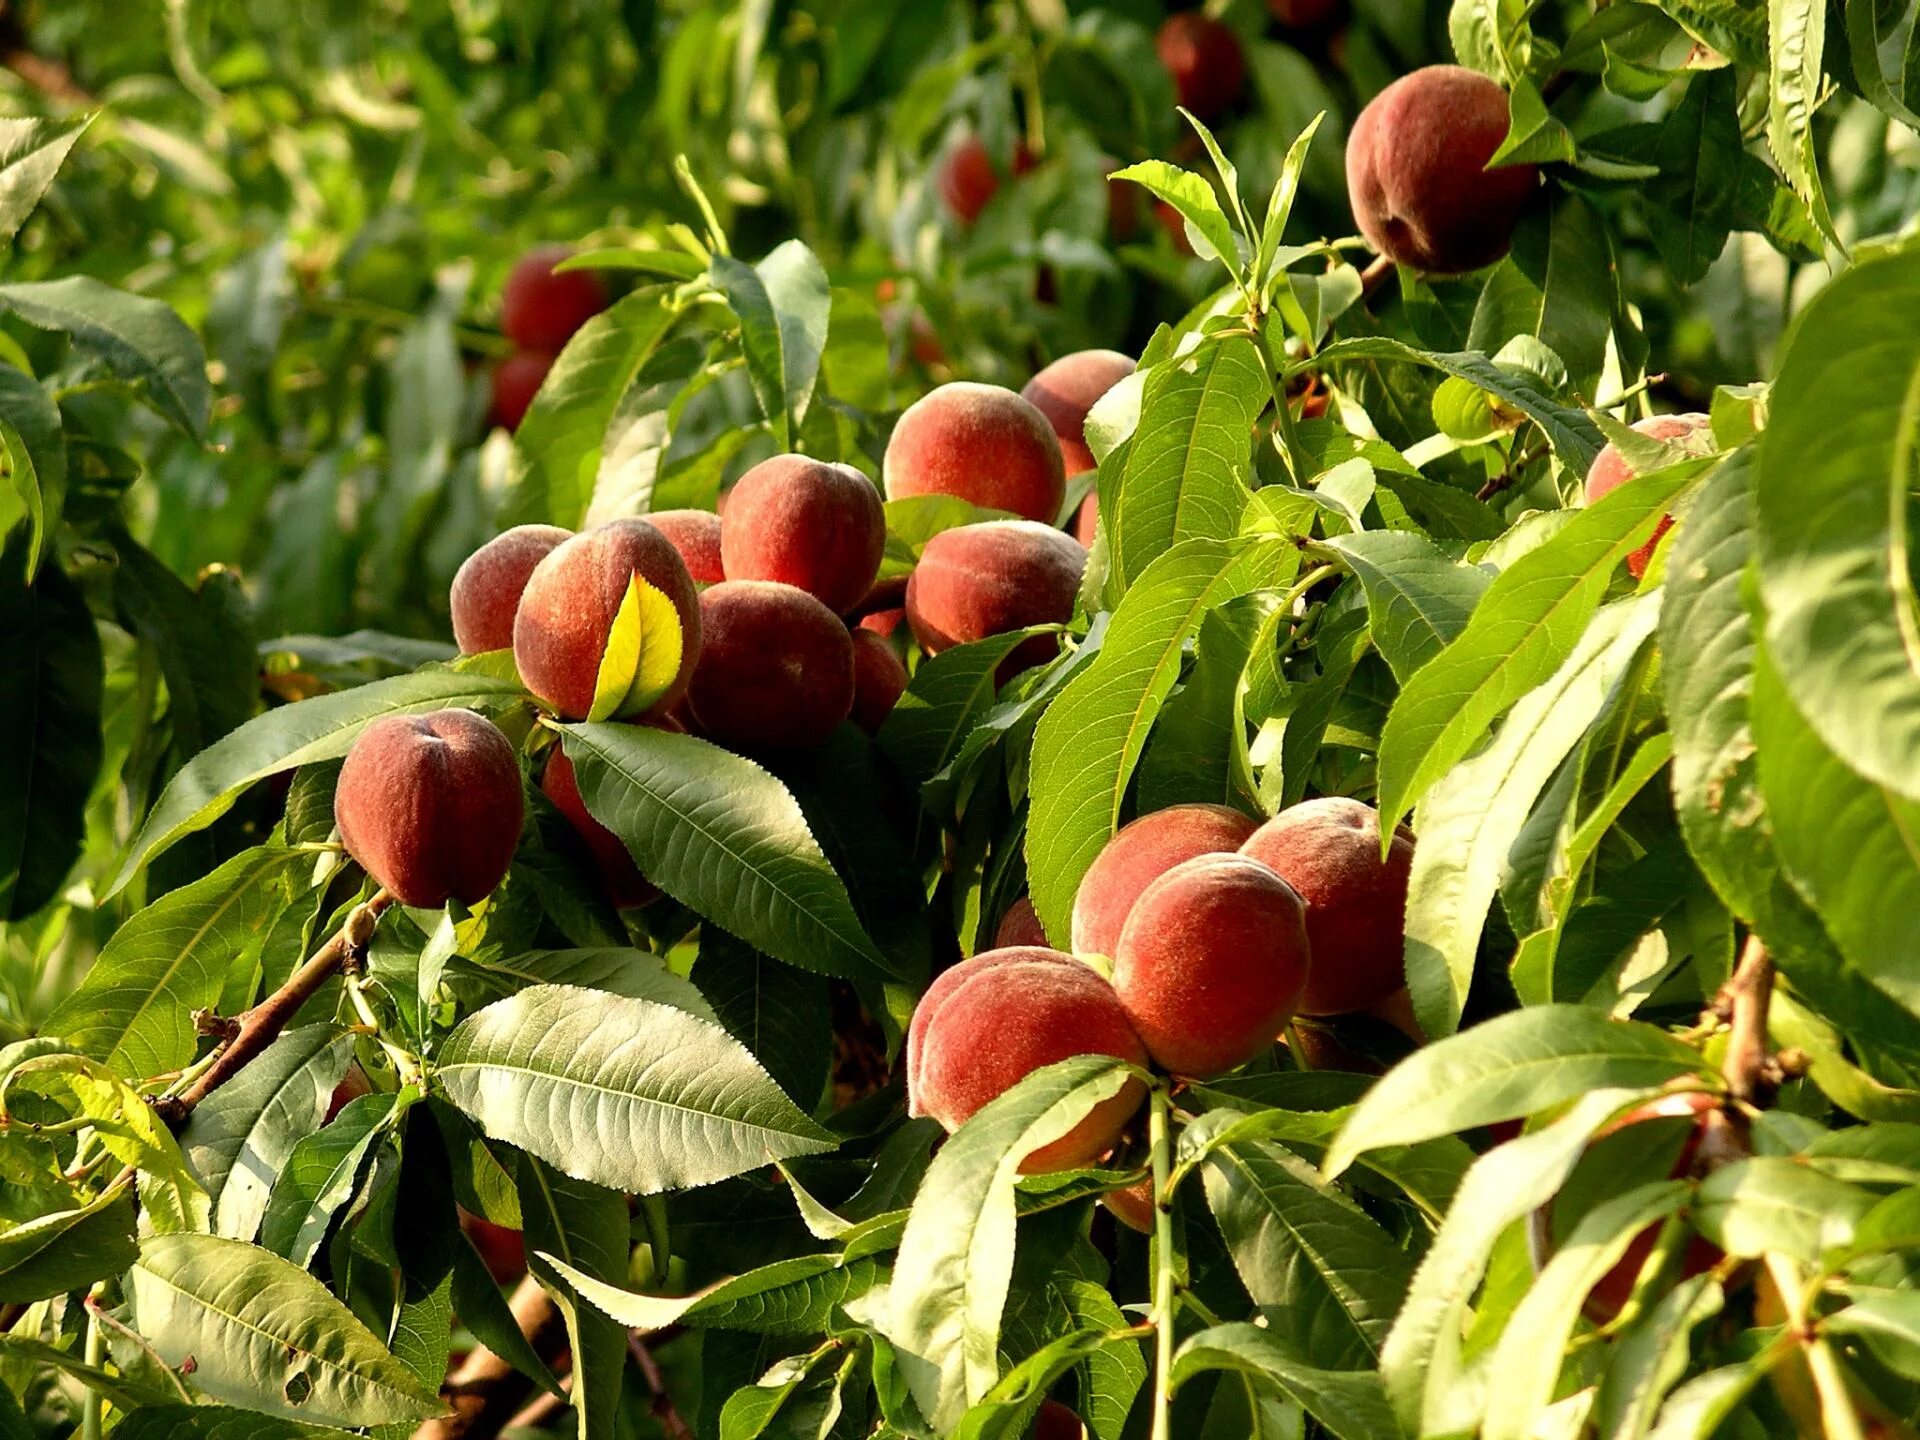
1066 390
776 667
487 587
807 523
991 1021
982 443
1137 855
979 580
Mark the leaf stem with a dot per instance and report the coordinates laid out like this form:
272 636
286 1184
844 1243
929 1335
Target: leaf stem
1158 1134
96 1358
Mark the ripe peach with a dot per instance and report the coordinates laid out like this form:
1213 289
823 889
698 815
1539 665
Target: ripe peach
1211 963
979 580
879 679
540 310
1137 855
1610 1295
1203 57
1067 389
430 806
626 887
1056 1422
1329 851
883 622
516 380
1132 1206
1610 471
501 1250
1302 14
574 596
776 667
1417 176
1019 926
488 585
982 443
967 179
696 535
806 523
991 1021
1086 520
352 1086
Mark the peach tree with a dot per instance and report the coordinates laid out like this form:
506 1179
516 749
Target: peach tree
1348 871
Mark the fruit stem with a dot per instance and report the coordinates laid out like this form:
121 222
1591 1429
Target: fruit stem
1159 1138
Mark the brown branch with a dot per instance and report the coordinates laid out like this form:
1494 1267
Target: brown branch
1374 276
1747 997
670 1422
542 1408
485 1391
260 1026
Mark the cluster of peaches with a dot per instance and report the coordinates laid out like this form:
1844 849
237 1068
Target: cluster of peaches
1216 933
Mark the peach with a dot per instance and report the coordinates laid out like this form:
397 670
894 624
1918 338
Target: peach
776 667
979 580
1056 1422
696 535
572 600
1132 1205
879 679
1086 520
883 622
1211 963
626 887
1610 1295
1417 176
1066 390
430 806
967 178
991 1021
540 310
1302 14
1137 855
1019 926
982 443
352 1086
807 523
1329 851
1610 471
501 1250
1203 57
515 381
488 585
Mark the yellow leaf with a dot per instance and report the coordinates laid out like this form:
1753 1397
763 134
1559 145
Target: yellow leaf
642 655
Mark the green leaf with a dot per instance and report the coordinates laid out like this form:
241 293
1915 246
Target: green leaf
1187 470
267 1336
1280 202
620 970
586 1227
1842 620
323 728
141 340
216 1422
639 434
1569 431
1558 286
134 1009
782 303
1652 1355
1535 1343
1771 1204
36 457
1524 628
956 1257
1534 134
557 450
1322 1271
628 1094
1516 1064
1690 204
1087 744
321 1175
31 154
65 1250
1796 45
1471 818
50 668
781 1014
948 695
1419 598
240 1136
796 1296
1421 1362
1196 200
1889 1321
1350 1404
484 1310
1198 753
726 839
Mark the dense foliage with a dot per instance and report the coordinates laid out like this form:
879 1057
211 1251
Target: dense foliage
336 1094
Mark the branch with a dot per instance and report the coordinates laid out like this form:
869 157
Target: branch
670 1422
485 1392
1747 998
261 1026
1374 276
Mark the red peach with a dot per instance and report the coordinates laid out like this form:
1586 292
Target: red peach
806 523
488 585
982 443
879 679
1137 855
1610 471
540 310
1067 389
776 667
979 580
696 535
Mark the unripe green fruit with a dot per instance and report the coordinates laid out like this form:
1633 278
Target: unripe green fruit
430 806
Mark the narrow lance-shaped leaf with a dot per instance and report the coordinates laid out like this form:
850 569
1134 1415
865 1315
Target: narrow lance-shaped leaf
31 154
628 1094
783 304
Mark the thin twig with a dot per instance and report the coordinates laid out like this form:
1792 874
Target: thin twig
1374 276
261 1026
670 1422
1747 996
542 1408
485 1391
